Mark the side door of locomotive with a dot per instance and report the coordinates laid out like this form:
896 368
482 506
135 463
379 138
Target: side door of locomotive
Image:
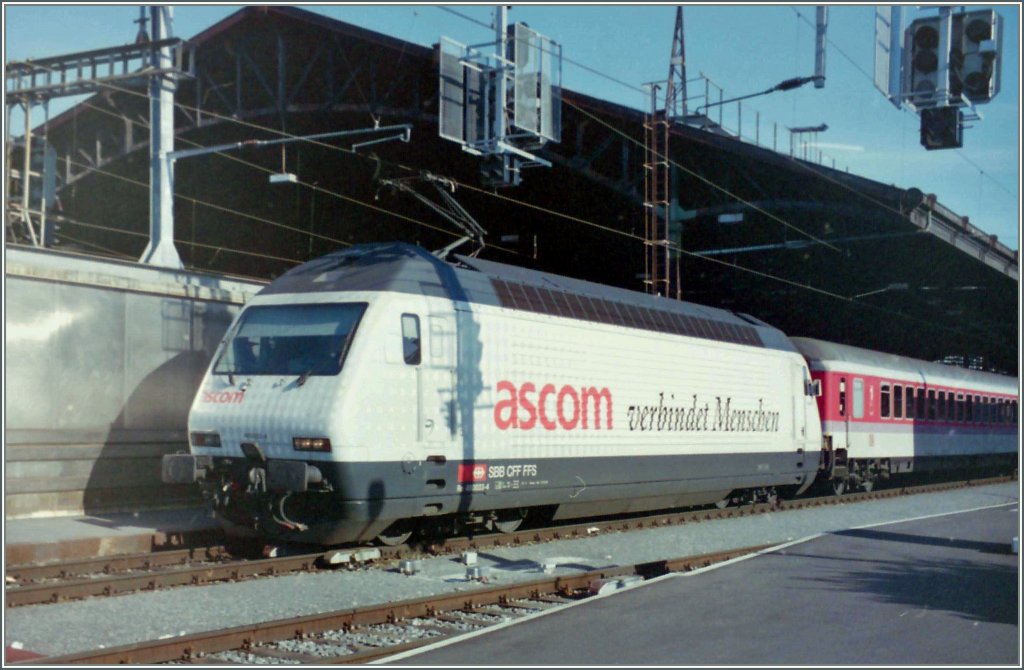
436 383
428 354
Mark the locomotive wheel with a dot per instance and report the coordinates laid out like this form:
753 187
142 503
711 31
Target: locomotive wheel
397 533
838 486
509 520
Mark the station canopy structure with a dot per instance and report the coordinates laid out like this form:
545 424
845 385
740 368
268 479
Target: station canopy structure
815 251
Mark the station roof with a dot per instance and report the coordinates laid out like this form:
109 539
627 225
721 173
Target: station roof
814 251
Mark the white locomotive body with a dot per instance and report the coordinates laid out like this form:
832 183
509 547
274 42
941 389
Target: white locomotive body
379 387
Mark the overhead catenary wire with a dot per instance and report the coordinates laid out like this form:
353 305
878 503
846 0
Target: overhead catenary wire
135 233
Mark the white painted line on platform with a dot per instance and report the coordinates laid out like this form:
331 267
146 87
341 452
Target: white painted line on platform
672 575
931 516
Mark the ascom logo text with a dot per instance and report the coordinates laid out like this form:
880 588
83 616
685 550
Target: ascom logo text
524 407
223 397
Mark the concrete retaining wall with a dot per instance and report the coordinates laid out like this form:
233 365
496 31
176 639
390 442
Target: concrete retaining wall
103 359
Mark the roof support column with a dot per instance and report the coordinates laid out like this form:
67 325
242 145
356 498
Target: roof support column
161 250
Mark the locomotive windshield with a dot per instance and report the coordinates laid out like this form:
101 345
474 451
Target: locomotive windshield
291 339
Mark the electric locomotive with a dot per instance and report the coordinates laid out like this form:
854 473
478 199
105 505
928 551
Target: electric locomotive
380 390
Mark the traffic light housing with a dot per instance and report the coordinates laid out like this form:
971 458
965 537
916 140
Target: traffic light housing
942 128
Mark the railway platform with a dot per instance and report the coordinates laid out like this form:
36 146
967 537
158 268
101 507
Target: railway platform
79 537
939 590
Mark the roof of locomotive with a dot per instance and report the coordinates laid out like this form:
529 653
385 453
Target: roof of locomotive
830 352
405 268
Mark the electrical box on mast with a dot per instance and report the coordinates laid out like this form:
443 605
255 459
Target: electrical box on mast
502 105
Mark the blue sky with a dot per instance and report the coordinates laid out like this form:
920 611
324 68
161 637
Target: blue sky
741 48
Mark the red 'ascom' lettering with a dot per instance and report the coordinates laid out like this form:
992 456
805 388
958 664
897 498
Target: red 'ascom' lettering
223 397
568 408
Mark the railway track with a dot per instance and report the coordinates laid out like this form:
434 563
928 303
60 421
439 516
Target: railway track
108 576
377 631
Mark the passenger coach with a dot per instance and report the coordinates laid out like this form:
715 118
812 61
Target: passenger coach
884 415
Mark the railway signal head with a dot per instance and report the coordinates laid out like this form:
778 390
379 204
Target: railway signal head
921 65
980 39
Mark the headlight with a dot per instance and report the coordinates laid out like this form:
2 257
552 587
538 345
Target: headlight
311 444
205 439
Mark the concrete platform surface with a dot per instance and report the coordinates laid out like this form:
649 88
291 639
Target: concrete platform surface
940 590
69 538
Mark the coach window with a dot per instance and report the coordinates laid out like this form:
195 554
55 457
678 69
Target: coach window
951 406
910 402
969 409
978 416
959 406
883 397
897 396
1013 412
411 339
858 398
932 412
942 406
920 403
842 396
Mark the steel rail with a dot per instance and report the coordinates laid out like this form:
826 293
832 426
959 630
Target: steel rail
114 563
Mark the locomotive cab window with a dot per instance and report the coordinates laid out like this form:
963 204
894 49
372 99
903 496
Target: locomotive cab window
411 349
290 339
